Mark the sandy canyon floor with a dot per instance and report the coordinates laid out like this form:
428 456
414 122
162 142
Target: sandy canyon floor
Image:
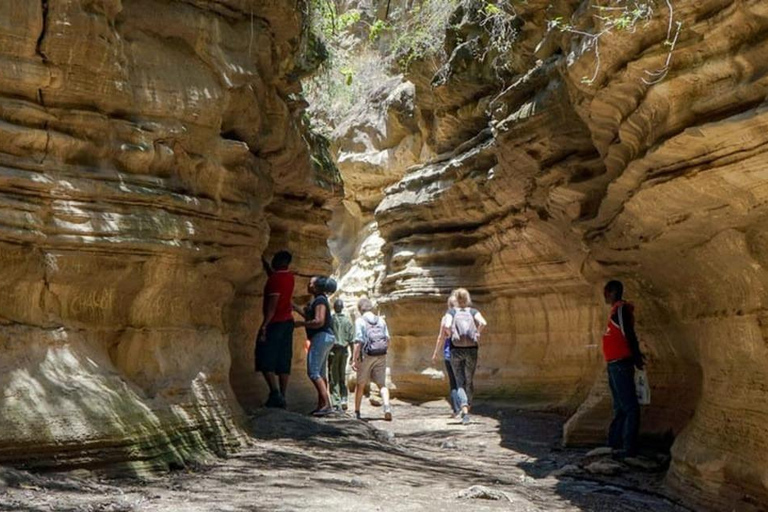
422 461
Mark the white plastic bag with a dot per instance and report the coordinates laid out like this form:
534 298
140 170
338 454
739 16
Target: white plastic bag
642 388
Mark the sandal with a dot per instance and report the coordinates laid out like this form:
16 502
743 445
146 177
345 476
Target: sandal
322 412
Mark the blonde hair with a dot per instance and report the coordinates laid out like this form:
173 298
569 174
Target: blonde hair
452 302
463 299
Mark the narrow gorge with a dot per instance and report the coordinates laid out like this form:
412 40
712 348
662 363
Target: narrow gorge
153 151
545 149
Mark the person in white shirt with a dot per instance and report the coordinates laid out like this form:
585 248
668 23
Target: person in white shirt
464 328
369 359
443 344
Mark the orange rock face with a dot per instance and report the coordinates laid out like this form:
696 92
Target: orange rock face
576 171
140 144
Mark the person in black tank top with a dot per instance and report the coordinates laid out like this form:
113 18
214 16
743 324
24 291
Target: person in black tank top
318 323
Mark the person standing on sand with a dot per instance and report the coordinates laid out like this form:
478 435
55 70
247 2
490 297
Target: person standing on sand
319 326
443 344
274 342
464 327
621 351
369 358
344 332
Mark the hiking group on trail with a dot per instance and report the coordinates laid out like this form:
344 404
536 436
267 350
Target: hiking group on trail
331 334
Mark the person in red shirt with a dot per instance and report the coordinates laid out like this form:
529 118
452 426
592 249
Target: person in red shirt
274 343
621 350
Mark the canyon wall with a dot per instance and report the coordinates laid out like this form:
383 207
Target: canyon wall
147 149
637 155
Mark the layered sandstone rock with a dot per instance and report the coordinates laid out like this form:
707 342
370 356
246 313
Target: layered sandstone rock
639 166
141 142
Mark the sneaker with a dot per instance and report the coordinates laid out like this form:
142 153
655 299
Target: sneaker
322 412
344 406
282 404
388 413
465 418
357 415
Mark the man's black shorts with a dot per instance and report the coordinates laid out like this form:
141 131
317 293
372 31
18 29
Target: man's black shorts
275 354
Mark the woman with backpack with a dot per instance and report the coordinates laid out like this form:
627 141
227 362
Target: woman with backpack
464 327
444 343
319 326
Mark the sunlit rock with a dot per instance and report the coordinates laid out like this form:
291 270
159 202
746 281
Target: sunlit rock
646 165
141 142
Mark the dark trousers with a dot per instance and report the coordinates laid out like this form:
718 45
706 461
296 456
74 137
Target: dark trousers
464 362
453 397
626 411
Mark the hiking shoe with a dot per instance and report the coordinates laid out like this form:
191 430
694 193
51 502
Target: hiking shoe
281 403
621 454
388 413
322 412
273 400
465 419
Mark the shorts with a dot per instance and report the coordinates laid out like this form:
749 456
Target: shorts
317 357
275 354
372 369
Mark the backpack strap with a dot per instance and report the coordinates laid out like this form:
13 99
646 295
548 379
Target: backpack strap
620 314
366 341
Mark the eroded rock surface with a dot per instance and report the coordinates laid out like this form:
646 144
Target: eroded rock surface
140 144
569 171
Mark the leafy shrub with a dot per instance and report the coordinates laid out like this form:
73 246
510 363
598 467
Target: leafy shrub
422 34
